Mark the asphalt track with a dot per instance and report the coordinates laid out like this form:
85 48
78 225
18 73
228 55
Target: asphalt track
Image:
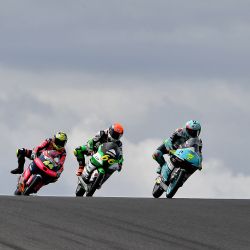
123 223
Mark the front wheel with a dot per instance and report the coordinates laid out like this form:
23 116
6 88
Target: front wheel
80 191
175 184
31 188
95 184
17 192
157 190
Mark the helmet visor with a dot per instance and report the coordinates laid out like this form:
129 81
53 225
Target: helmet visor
59 143
193 133
115 135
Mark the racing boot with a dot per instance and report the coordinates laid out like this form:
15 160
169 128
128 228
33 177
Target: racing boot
18 170
21 160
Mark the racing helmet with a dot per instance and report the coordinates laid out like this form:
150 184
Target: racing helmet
59 140
115 132
193 128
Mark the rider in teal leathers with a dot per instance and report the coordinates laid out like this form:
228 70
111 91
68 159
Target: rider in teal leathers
192 129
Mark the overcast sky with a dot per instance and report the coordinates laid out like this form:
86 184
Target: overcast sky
79 66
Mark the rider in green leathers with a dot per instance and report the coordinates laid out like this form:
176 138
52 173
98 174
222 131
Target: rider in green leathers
112 134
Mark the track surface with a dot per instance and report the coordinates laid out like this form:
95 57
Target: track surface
123 223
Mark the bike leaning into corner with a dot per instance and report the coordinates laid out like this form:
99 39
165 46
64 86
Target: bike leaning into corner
184 162
100 167
41 171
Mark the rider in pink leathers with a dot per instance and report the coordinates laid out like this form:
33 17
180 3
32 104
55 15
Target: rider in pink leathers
55 145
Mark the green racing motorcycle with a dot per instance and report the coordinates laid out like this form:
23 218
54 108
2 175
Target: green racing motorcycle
104 160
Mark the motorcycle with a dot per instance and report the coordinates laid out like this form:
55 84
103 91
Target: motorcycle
184 161
104 160
41 171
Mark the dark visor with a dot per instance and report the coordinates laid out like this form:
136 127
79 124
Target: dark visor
193 133
115 135
59 142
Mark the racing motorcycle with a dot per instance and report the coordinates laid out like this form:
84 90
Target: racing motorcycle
105 161
41 171
184 162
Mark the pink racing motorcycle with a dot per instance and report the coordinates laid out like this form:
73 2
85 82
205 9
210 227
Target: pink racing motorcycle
41 171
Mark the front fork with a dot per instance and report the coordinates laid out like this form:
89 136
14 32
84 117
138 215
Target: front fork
176 173
165 172
88 170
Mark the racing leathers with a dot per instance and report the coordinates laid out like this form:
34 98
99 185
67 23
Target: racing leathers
32 154
91 148
177 140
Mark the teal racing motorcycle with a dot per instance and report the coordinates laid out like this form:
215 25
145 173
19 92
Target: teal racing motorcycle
184 162
105 161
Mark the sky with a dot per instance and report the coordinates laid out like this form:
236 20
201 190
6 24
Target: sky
79 66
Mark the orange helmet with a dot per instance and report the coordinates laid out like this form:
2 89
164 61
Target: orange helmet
115 132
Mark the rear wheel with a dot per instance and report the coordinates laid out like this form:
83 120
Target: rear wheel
175 184
95 184
157 190
31 188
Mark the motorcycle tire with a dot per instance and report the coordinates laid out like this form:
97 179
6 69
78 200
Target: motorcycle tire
80 191
30 189
175 184
157 191
95 185
17 192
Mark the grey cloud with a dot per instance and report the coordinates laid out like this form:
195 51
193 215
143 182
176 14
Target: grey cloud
156 63
162 38
220 119
19 106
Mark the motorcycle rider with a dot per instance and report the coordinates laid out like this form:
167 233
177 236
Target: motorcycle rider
57 143
192 129
112 134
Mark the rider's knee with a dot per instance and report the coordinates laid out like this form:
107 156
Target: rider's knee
157 155
21 152
77 151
